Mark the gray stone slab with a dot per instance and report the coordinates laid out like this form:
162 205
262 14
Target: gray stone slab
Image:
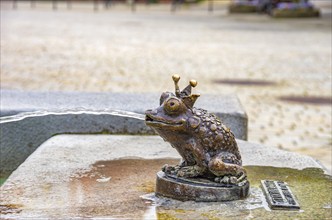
227 107
42 186
13 101
22 134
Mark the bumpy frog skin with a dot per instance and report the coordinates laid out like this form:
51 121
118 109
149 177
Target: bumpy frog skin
208 147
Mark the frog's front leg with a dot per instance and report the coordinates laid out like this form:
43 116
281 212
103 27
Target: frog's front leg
227 169
193 164
187 159
198 156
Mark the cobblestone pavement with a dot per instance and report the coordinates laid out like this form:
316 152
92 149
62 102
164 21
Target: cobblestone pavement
119 51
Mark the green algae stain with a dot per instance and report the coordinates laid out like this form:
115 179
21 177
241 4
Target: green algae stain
165 216
2 180
180 211
147 187
311 187
210 216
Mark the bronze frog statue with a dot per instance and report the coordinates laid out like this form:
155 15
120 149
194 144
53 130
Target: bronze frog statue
207 147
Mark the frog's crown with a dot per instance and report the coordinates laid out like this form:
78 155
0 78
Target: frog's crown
185 95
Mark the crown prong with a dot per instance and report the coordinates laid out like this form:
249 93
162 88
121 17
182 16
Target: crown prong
186 96
193 83
176 79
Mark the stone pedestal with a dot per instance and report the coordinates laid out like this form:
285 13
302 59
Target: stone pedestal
199 191
103 177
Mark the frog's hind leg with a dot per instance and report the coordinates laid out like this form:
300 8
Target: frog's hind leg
227 169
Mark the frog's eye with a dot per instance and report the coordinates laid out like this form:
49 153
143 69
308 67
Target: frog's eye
172 105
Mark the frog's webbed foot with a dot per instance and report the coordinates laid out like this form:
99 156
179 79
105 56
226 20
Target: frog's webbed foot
227 179
231 179
168 169
241 175
190 171
227 173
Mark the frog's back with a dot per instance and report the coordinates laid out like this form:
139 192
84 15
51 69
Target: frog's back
214 135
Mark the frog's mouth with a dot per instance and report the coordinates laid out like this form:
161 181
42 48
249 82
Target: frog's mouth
154 121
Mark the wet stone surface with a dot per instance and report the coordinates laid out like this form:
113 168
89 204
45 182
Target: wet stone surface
124 188
313 100
245 82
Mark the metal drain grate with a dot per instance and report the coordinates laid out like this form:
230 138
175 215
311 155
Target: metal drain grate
279 195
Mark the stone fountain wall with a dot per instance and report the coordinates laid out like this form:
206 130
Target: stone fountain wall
30 118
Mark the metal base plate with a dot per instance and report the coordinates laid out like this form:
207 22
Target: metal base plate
185 190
